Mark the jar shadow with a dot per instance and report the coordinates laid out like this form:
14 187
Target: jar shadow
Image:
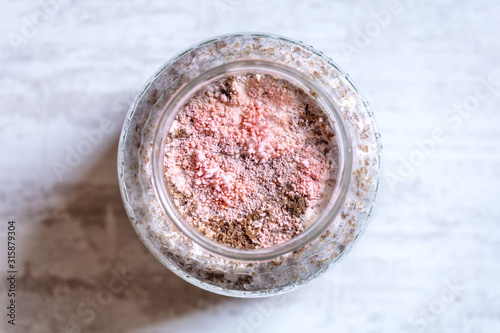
86 261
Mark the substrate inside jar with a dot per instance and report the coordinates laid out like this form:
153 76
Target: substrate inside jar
251 161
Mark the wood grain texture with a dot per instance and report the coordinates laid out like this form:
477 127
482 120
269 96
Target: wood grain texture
427 263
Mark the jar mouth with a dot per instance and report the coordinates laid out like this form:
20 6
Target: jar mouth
324 101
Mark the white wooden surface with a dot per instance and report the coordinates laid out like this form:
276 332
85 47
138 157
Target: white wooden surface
429 260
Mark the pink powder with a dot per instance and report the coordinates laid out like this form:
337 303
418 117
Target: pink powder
248 161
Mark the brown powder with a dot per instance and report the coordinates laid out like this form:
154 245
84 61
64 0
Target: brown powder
248 161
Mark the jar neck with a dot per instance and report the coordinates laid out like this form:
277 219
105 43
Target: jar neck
318 94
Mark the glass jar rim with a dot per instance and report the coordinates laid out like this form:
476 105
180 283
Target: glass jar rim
295 77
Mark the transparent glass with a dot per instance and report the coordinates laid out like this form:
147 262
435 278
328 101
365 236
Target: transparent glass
177 244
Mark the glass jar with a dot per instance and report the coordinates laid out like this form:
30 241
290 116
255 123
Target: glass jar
181 247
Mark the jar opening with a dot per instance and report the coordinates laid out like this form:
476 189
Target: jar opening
296 78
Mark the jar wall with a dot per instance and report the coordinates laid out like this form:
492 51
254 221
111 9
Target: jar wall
193 262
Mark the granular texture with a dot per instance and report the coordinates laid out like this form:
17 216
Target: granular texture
250 161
